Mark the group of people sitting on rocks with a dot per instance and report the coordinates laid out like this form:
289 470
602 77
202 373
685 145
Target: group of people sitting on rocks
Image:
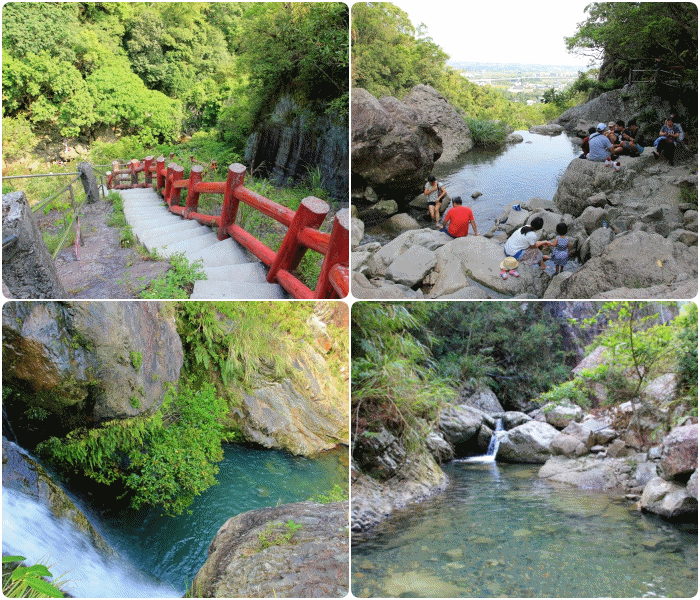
608 142
457 218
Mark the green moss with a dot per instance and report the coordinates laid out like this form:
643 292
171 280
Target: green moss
136 359
135 402
272 536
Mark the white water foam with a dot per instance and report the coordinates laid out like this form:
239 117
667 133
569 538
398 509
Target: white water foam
30 530
494 443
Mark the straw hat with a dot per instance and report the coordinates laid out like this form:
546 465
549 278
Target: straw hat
509 264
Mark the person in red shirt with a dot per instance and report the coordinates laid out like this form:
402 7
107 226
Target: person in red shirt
457 220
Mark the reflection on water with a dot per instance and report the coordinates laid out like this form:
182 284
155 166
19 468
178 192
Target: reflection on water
500 531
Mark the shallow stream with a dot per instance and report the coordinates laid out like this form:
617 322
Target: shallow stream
160 555
500 531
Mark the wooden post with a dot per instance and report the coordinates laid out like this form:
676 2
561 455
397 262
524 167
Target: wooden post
338 248
133 166
193 196
160 173
168 183
234 179
178 173
147 166
310 213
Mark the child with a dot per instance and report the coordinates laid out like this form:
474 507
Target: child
562 247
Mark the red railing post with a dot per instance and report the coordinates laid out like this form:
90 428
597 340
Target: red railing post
192 195
229 210
133 166
147 166
338 247
310 213
168 183
160 173
178 173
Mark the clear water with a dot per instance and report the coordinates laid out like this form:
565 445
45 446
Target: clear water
500 531
510 175
166 552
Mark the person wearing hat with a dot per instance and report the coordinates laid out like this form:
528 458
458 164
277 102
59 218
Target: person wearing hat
523 245
508 266
457 219
599 145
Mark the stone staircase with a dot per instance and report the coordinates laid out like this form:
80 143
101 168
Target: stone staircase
232 272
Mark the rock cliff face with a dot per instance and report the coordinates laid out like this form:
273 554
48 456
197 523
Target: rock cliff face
394 145
292 143
258 554
85 362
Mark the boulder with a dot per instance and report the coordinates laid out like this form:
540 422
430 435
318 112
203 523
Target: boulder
450 125
357 232
429 239
608 106
692 486
585 473
295 550
513 418
412 266
645 472
668 499
635 260
400 223
478 259
592 218
441 450
551 129
596 243
568 445
484 399
460 424
561 414
679 456
88 362
530 442
393 145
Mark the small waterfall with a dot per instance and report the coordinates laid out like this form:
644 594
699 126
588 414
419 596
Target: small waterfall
29 529
490 456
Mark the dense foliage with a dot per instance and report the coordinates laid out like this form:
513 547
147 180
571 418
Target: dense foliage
169 457
390 56
157 70
411 359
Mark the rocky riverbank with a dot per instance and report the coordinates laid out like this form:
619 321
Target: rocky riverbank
631 231
627 450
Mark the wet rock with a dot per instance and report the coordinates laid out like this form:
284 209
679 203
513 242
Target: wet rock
669 500
400 223
530 442
254 555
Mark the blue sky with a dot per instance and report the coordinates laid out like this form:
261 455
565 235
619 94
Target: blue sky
501 30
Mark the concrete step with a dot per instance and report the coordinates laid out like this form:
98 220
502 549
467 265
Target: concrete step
188 246
245 272
154 229
221 290
223 253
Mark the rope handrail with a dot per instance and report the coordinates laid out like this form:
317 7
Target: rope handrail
302 225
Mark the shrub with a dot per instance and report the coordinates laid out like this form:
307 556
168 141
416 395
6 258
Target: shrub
486 134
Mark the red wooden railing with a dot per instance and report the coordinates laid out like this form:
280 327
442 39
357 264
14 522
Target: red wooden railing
302 224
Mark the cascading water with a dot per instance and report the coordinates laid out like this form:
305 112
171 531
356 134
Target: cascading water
29 529
490 456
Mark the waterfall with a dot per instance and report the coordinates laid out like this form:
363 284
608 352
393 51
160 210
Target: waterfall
29 529
490 456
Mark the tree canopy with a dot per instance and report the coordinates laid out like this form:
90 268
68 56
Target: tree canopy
169 66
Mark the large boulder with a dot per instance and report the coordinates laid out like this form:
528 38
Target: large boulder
668 499
634 260
679 457
450 125
586 473
87 362
460 424
394 146
292 551
530 442
484 399
561 414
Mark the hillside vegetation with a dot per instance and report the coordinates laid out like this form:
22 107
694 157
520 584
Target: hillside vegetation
151 72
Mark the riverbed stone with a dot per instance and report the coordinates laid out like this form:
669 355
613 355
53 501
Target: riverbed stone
587 473
530 442
680 452
568 445
551 129
692 486
668 499
254 555
357 232
399 223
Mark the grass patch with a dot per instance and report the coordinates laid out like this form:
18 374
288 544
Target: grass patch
271 536
178 282
485 133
